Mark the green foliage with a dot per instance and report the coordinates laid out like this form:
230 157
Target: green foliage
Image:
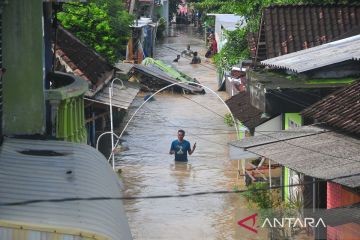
228 120
262 199
161 28
234 50
103 25
237 48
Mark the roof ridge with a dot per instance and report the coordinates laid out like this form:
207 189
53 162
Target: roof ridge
314 5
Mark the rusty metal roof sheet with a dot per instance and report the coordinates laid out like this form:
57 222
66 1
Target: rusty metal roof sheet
340 109
290 28
319 56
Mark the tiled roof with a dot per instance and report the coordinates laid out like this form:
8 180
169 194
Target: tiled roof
340 109
82 60
242 109
290 28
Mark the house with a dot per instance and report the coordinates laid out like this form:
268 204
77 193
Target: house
142 41
294 34
248 115
53 185
340 110
323 158
286 29
292 83
225 22
73 56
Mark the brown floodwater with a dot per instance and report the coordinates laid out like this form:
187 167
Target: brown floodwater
149 170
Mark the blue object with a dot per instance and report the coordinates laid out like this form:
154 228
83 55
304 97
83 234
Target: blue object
181 149
148 96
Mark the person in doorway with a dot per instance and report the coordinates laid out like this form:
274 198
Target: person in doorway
196 59
181 147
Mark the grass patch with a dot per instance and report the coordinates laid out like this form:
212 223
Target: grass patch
331 81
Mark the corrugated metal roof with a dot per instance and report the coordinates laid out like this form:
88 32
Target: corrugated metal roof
81 172
290 28
122 97
310 150
340 109
320 56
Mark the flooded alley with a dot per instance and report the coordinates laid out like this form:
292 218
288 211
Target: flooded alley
149 170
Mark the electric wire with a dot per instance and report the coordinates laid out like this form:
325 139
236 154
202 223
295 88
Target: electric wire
277 94
190 134
164 196
304 104
294 145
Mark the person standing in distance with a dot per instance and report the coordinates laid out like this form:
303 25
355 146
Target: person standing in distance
181 147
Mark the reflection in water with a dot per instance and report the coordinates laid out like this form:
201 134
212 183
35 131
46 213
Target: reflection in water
149 170
181 171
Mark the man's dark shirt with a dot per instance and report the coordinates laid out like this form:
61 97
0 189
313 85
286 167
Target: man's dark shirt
181 149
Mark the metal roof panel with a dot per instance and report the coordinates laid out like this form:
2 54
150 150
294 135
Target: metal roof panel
79 172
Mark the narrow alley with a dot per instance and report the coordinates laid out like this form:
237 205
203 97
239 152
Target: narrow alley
149 170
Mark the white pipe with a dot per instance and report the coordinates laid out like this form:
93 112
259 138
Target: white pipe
104 133
162 89
111 93
111 127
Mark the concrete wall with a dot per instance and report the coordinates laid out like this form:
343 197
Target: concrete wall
274 124
23 58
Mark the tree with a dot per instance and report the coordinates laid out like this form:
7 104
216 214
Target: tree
236 47
104 25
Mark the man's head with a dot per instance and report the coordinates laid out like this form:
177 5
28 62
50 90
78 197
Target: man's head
181 134
195 54
188 47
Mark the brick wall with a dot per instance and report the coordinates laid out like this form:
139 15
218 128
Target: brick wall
337 196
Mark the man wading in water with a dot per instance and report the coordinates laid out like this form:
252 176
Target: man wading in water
181 147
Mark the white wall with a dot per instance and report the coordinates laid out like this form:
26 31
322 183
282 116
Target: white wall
274 124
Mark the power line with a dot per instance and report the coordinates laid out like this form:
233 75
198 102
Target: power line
163 153
326 154
286 95
294 145
204 107
27 202
279 95
177 126
308 149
